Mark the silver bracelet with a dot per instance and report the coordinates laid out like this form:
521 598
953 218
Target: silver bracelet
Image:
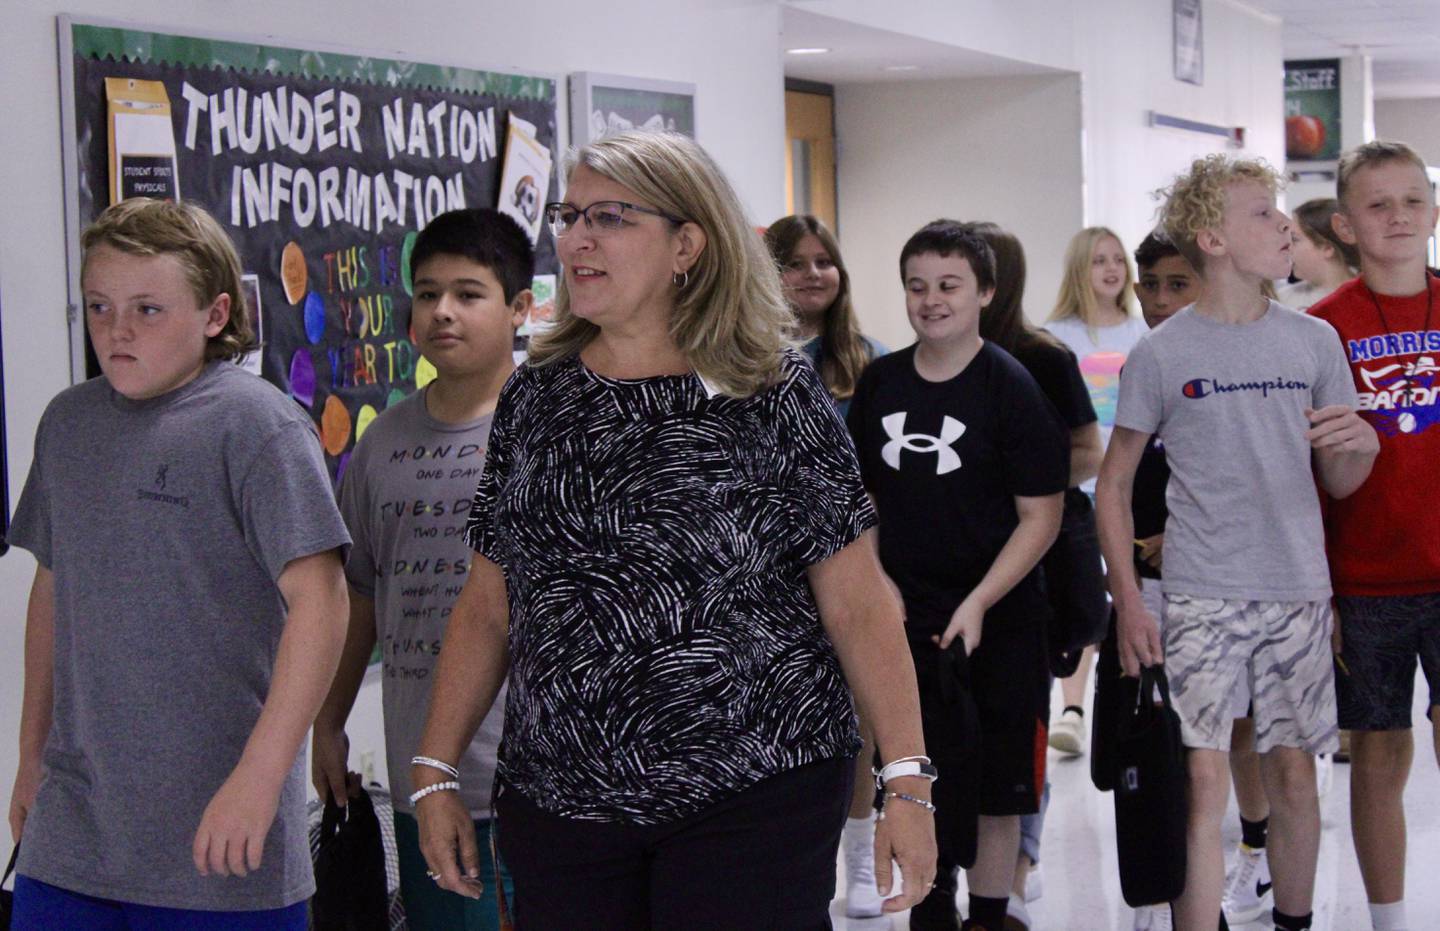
927 805
433 763
418 794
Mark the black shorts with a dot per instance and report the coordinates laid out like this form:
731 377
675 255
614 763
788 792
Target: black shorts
1010 683
1381 639
762 859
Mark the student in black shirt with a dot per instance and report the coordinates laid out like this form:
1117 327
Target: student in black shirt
967 465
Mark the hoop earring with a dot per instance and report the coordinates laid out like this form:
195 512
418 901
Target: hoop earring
681 279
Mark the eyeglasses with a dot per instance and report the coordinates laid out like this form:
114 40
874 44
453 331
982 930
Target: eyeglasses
601 217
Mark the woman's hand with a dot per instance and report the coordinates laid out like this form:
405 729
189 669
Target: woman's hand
965 623
446 831
906 834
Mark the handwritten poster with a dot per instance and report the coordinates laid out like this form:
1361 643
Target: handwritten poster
323 168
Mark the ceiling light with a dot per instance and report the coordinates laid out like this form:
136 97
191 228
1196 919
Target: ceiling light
901 68
806 51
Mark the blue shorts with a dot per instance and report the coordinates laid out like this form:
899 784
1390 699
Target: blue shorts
43 907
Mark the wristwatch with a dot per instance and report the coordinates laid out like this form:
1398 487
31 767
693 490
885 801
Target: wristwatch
914 766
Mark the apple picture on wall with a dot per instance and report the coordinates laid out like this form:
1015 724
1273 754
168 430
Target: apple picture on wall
1304 136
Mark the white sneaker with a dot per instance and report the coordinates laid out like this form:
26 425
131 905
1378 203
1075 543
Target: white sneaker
1153 918
1017 918
1247 890
862 899
1068 734
1034 884
1324 773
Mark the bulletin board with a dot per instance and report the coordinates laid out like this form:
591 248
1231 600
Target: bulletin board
322 165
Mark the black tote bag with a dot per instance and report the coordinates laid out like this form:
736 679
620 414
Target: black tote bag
1150 803
1114 694
952 738
350 890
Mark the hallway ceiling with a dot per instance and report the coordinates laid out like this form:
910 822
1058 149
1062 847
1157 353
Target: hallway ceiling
1402 37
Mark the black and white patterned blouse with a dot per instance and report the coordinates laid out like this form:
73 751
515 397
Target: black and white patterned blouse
665 648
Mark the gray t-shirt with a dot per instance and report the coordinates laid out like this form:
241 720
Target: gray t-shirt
1228 401
167 523
406 495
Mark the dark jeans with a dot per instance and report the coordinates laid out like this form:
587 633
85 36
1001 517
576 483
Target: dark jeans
763 859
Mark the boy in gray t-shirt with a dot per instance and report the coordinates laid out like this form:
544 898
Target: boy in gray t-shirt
1253 402
182 626
406 495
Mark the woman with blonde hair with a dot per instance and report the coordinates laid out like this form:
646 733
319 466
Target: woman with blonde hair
674 563
817 286
1095 315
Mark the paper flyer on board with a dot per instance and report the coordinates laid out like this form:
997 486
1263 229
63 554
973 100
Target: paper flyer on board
525 177
142 141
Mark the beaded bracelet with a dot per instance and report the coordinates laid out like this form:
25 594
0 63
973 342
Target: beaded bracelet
417 795
927 805
433 763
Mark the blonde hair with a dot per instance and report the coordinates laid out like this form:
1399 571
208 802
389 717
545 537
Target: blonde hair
844 352
144 227
1373 153
1196 201
731 316
1077 296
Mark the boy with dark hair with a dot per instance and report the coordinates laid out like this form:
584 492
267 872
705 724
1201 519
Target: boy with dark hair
1384 549
405 496
187 609
1230 385
967 463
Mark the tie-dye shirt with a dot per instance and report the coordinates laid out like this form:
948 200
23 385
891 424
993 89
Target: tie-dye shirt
1101 352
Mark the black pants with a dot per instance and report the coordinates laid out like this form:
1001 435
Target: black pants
763 859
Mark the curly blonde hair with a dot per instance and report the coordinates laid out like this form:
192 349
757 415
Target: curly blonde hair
1196 201
731 317
145 227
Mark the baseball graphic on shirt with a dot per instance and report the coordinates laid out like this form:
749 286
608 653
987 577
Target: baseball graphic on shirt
1406 422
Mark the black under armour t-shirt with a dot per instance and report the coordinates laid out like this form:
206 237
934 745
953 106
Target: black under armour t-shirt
944 462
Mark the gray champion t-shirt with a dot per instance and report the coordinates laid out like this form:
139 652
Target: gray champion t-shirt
405 496
166 524
1228 401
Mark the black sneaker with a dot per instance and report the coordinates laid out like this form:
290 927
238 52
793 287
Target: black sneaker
936 912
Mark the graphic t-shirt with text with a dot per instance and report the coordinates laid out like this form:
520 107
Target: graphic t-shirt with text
1228 402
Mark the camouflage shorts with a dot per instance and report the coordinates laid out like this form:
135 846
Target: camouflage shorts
1276 654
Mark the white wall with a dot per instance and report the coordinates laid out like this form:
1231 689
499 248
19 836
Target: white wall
1416 121
1127 68
730 50
1042 156
1003 149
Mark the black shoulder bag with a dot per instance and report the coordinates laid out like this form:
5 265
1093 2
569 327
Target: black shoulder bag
1150 803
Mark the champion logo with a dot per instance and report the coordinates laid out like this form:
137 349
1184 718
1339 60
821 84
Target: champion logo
947 459
1204 387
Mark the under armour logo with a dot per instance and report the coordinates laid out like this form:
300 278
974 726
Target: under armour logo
160 476
950 431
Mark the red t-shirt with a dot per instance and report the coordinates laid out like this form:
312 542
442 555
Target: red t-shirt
1385 538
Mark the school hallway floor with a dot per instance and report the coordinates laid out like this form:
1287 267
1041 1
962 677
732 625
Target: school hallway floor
1082 883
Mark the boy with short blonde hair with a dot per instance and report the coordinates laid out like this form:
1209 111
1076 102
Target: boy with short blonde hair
1250 399
1384 552
185 617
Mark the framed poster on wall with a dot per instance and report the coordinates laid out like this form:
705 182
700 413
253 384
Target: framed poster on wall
321 164
607 103
1312 109
1189 41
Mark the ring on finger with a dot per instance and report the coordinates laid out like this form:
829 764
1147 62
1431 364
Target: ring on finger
433 875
